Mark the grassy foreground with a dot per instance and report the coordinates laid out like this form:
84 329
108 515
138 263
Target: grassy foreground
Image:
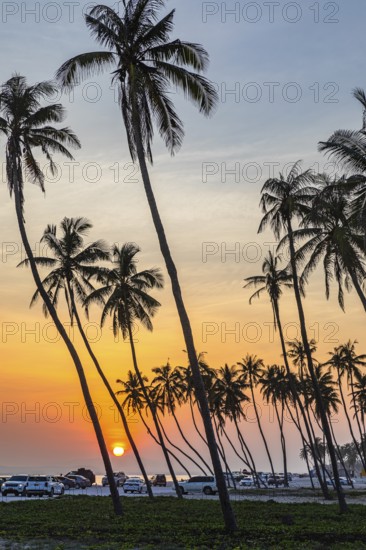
88 522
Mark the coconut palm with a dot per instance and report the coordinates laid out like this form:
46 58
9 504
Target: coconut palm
124 296
344 370
27 126
332 236
72 267
146 64
134 401
349 148
274 388
226 397
168 385
272 281
283 200
252 368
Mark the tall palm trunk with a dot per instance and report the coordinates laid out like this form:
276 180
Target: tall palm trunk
153 413
16 167
283 442
158 443
358 288
362 433
339 454
221 450
297 401
228 513
184 453
360 452
194 420
110 391
323 415
189 444
260 428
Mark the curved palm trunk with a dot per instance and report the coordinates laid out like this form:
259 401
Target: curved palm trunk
298 403
189 445
260 428
362 434
178 448
158 443
358 288
323 415
111 393
228 514
360 453
153 413
248 457
78 365
305 443
283 442
339 454
194 420
221 449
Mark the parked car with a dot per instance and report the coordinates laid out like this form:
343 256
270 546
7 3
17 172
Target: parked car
81 482
15 485
84 472
277 480
342 480
43 485
3 479
120 478
158 480
133 485
199 484
67 482
247 481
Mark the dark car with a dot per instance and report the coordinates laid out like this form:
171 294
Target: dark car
158 481
81 482
84 472
277 480
67 482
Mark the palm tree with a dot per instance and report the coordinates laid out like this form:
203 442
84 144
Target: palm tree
349 148
274 388
226 397
26 125
134 400
73 266
272 281
282 200
125 298
169 387
333 235
146 63
345 369
251 370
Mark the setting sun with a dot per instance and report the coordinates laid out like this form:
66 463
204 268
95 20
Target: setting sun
118 451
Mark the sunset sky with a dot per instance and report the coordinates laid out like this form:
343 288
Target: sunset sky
285 81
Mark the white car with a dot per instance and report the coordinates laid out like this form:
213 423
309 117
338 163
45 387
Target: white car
43 485
246 481
133 485
199 484
15 485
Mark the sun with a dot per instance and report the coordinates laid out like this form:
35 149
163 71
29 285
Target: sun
118 451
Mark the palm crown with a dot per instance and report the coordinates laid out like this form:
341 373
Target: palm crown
124 291
73 264
26 125
145 63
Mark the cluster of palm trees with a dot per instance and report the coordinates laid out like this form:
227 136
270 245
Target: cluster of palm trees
317 219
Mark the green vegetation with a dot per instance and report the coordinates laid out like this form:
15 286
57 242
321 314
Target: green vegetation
89 522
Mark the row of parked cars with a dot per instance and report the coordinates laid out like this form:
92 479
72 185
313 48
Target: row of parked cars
28 485
135 484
